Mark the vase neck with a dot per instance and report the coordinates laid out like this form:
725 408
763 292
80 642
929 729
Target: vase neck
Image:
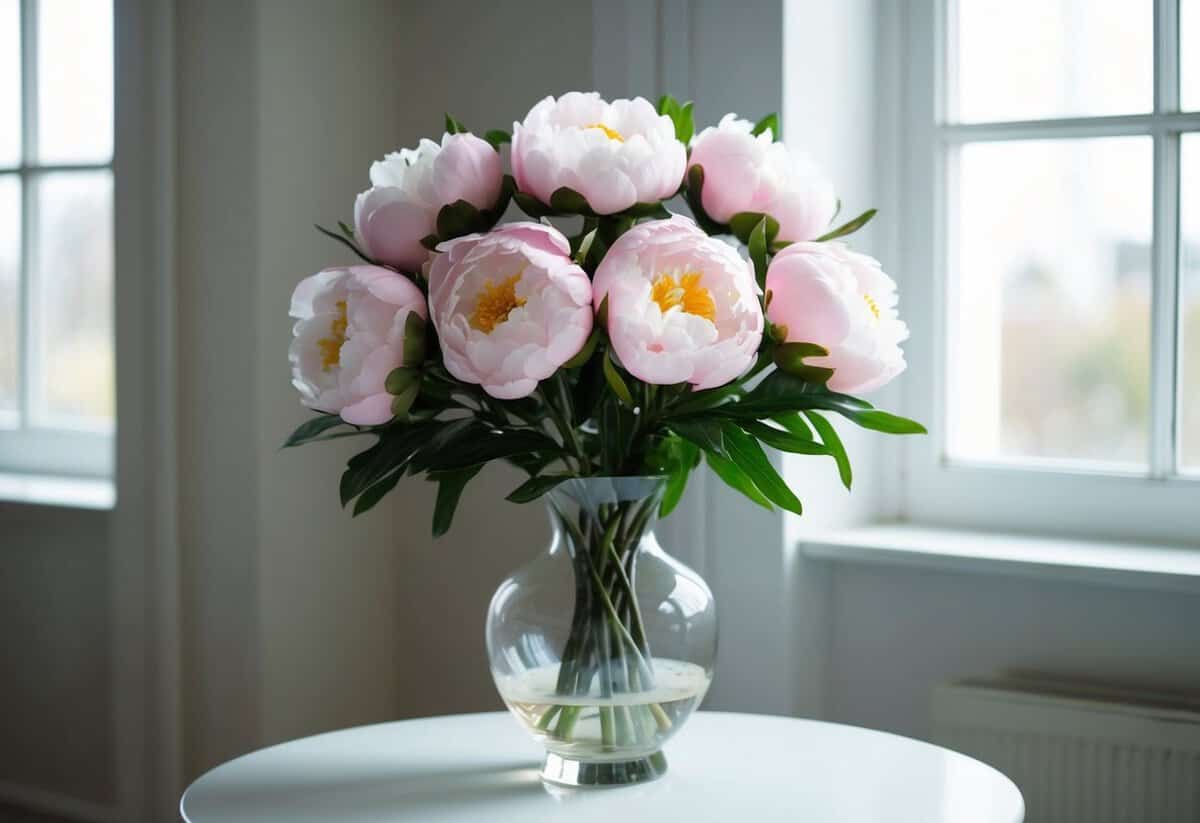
599 516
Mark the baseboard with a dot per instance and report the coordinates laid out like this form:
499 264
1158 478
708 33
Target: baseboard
41 800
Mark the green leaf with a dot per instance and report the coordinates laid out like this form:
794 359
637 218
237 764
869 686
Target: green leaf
569 201
584 246
736 479
615 381
790 358
704 400
394 448
350 244
783 440
458 218
367 500
400 379
771 121
656 210
850 227
531 205
794 423
311 429
881 421
681 117
588 390
497 137
744 223
535 487
829 437
403 401
706 433
750 458
602 313
453 126
450 489
414 340
582 356
347 232
758 251
685 123
693 194
780 392
615 433
471 442
686 454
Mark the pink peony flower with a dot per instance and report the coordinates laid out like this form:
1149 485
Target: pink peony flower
682 306
509 306
349 335
614 154
410 187
755 174
826 294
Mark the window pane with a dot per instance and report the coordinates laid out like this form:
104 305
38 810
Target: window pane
1189 54
75 81
1033 59
73 285
1189 238
10 83
10 253
1049 348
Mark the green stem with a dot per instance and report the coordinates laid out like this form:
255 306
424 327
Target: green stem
614 620
566 431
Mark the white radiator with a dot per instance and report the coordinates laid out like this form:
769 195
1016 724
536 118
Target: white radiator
1080 753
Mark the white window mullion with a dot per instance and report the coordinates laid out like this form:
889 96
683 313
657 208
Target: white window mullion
1166 56
1164 319
26 369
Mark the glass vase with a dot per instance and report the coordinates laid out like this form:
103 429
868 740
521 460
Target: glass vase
603 645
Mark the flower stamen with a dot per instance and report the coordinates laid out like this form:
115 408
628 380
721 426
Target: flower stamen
611 134
872 305
686 293
331 347
495 302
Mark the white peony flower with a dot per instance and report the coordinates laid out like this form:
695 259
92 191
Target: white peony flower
348 337
614 154
748 173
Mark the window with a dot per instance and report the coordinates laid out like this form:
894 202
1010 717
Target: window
56 236
1056 148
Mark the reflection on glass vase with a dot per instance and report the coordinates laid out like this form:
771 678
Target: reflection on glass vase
603 646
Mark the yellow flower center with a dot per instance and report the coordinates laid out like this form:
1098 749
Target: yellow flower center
872 305
495 302
331 347
686 293
611 134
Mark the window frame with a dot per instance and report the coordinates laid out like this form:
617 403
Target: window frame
1027 495
26 448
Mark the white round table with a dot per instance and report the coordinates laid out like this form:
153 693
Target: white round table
721 767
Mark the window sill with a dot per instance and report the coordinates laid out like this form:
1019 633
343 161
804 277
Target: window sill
92 493
1126 565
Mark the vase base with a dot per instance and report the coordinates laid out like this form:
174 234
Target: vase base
562 771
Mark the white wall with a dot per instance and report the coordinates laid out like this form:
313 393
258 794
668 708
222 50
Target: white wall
299 619
56 733
896 633
370 619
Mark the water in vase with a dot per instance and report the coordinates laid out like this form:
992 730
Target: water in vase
591 725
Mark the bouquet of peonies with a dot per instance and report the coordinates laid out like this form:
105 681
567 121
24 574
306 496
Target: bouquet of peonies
604 335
